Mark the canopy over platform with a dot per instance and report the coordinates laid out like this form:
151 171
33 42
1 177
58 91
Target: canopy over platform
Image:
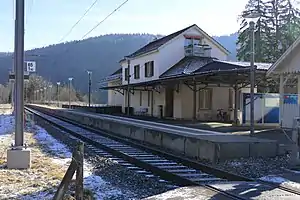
201 70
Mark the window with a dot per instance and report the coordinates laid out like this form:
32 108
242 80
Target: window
136 71
205 99
126 74
189 42
149 69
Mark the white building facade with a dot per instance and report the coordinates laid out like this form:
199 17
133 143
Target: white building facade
163 75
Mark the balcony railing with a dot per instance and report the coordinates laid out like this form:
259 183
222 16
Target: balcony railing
198 50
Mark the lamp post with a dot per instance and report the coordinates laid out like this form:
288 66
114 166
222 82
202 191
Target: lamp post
50 93
252 18
45 95
57 95
90 85
70 82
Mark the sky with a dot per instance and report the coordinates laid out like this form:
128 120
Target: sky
47 21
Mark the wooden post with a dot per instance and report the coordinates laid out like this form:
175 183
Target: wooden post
79 172
63 186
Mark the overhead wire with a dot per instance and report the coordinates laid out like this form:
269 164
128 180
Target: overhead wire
110 14
86 12
115 10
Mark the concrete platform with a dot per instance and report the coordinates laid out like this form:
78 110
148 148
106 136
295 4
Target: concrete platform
245 190
195 143
189 193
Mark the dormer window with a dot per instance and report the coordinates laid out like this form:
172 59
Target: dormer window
192 40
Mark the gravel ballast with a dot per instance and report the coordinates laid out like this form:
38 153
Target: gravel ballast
133 185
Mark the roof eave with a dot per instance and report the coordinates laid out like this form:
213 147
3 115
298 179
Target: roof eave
283 56
140 55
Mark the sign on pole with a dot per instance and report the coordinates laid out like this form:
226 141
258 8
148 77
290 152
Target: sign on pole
30 66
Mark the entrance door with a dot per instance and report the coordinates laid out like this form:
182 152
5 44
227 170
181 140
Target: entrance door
169 102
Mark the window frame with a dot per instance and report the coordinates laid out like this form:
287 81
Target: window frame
149 69
207 100
135 69
126 72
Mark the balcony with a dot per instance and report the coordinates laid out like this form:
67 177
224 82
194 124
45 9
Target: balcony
198 50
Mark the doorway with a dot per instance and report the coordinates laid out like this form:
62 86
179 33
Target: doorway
169 102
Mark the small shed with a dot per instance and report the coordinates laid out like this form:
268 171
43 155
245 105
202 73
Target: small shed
287 71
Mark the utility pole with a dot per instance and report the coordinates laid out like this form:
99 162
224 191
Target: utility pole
19 156
19 70
90 85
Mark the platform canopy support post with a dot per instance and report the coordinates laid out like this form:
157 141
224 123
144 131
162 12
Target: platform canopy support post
194 101
236 106
281 92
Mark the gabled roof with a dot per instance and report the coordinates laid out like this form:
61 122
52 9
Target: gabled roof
287 53
154 45
119 71
157 43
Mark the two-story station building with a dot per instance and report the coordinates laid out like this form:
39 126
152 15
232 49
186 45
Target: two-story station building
185 75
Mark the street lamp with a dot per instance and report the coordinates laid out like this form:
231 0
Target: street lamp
70 82
90 84
45 95
50 93
58 84
252 18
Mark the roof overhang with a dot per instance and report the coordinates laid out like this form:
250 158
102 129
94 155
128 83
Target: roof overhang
283 57
233 76
137 56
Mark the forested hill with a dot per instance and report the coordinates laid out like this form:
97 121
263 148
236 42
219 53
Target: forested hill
99 54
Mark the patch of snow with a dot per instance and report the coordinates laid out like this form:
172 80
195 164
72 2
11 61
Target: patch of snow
280 180
6 124
273 179
101 189
235 163
53 145
39 195
96 184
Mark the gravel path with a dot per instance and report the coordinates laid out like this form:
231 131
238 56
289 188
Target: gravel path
133 185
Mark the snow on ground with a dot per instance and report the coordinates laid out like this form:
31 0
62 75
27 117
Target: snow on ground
280 180
62 156
57 154
6 125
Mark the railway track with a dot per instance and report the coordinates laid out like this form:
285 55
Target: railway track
151 162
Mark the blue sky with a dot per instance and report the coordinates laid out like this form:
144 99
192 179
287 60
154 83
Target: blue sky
47 21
